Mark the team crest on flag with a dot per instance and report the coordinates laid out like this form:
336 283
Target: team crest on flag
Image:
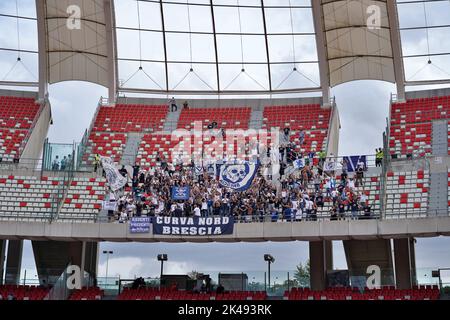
299 164
237 176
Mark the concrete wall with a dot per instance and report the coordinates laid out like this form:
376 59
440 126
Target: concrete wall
405 273
251 232
428 93
14 262
321 261
333 133
35 143
217 103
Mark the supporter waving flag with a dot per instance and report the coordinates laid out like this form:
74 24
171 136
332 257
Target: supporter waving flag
237 175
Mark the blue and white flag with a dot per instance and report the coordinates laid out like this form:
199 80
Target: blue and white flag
330 165
180 193
354 161
237 176
198 169
299 164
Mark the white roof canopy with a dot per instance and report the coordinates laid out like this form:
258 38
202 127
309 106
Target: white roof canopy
354 50
76 48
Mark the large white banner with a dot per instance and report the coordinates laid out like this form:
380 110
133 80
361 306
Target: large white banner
115 180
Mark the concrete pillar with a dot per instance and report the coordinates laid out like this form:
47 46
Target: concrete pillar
404 267
321 260
361 254
14 262
2 259
52 258
412 253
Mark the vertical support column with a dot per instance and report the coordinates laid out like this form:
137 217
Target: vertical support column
403 264
396 43
14 262
52 258
2 259
324 69
321 260
42 48
412 254
112 49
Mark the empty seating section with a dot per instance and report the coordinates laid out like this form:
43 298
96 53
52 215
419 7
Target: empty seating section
167 294
411 139
152 145
28 196
91 293
407 194
105 144
430 292
130 118
411 124
227 118
312 119
23 292
16 118
83 200
108 136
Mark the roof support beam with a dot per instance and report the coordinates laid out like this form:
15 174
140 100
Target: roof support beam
213 17
321 51
396 44
112 50
42 48
267 44
163 26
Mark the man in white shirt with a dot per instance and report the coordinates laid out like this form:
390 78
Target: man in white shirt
197 211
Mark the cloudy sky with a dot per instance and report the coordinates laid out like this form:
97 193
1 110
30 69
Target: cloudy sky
363 107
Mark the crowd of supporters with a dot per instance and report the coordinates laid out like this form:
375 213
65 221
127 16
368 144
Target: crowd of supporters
298 196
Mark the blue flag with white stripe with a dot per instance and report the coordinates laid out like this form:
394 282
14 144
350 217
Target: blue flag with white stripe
354 161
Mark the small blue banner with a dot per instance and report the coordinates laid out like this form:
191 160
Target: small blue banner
180 193
140 225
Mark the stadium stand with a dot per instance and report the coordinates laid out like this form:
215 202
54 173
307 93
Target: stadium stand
226 117
407 193
370 187
168 294
28 196
112 124
17 115
311 118
153 144
430 292
23 292
87 293
411 127
84 199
